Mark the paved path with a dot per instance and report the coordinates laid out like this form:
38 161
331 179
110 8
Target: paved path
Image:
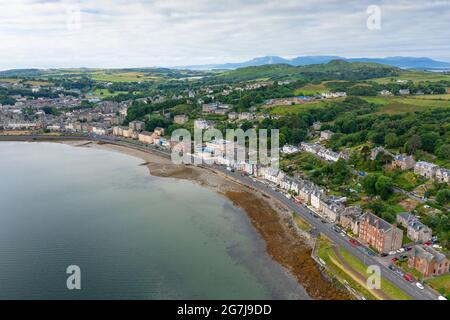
357 276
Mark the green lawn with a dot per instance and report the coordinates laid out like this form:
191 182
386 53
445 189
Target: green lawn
386 286
104 93
406 180
441 283
415 76
298 108
326 253
311 89
394 105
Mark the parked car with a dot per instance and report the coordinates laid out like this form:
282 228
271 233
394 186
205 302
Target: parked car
420 286
353 242
408 249
401 250
391 266
392 253
428 243
371 253
394 260
384 254
323 221
442 298
336 229
408 277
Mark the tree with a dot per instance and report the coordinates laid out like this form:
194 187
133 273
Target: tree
246 125
444 152
384 187
413 143
391 140
443 196
429 141
369 184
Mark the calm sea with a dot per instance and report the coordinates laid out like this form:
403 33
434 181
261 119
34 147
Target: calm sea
133 236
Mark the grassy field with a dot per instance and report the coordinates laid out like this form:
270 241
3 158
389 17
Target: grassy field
298 108
311 89
327 254
104 93
441 283
387 287
406 180
394 105
109 76
301 223
415 76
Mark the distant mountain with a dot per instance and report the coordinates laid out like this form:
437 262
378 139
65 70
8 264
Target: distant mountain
400 62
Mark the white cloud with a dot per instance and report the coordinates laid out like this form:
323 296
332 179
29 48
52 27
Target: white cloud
39 33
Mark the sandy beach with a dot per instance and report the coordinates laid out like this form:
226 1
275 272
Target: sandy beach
286 244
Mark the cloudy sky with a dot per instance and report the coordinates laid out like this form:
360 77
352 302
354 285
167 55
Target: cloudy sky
138 33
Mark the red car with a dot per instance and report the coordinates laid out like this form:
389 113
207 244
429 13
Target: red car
408 277
428 243
353 242
394 260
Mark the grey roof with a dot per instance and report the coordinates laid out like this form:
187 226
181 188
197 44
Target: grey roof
376 221
427 252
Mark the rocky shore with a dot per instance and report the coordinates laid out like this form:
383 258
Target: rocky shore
272 220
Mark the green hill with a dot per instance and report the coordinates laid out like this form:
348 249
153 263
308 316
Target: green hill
333 70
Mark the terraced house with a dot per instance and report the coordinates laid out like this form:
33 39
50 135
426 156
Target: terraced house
379 234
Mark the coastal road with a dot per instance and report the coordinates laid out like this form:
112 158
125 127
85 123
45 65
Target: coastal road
301 210
326 229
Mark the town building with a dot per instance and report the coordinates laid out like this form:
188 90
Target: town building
203 124
180 119
415 230
326 135
442 175
159 131
375 152
350 217
145 137
330 209
428 261
403 162
425 169
404 92
137 125
379 234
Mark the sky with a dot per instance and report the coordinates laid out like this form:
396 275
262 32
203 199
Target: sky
138 33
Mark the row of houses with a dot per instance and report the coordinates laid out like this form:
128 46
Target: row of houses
322 152
133 132
370 229
422 168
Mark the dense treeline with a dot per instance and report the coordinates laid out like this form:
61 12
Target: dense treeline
410 132
370 88
245 100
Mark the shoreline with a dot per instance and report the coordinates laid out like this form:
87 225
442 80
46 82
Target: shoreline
290 247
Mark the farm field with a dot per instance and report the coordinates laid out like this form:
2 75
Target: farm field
297 108
311 89
416 76
394 105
